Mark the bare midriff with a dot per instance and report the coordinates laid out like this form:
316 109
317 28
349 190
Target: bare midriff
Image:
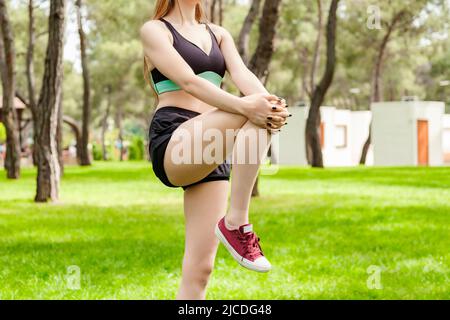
182 99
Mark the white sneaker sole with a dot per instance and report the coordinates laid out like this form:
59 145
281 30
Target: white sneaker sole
239 259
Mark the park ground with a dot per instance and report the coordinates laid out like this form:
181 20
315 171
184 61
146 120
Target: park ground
330 234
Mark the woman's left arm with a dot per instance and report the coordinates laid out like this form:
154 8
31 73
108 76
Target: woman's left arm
242 77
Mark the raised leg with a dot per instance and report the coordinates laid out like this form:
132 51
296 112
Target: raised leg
248 144
250 148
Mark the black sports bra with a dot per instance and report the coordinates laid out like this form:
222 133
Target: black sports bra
208 66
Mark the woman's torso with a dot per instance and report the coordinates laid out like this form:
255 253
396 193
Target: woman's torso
180 98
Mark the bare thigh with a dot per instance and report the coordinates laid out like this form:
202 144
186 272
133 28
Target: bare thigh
192 131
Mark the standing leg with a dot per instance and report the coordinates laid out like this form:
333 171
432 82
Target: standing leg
204 205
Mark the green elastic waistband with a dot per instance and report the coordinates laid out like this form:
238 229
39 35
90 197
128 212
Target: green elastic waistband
169 85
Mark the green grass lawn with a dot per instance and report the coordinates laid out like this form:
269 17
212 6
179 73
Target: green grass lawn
321 229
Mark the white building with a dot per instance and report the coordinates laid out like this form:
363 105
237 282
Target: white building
343 134
408 133
446 138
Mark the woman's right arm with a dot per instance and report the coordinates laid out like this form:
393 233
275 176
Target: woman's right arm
159 49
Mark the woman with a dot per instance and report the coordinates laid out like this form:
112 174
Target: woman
186 60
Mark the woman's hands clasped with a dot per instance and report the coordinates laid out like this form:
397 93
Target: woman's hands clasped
266 111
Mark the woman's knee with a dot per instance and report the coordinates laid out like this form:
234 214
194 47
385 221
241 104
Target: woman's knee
198 272
251 141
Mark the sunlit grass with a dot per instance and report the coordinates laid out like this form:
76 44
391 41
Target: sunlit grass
321 229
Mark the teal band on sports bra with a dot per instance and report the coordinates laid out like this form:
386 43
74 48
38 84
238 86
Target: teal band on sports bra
169 85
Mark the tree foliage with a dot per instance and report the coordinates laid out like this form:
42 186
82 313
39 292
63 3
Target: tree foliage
415 61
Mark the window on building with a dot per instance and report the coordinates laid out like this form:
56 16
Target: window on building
341 136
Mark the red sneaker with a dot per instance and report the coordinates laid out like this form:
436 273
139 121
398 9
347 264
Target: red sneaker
243 244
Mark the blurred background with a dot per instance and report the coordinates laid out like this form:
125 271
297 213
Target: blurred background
358 208
386 51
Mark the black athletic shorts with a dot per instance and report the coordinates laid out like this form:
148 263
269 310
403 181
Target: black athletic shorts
165 121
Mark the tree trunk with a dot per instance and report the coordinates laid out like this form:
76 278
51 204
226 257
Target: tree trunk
313 144
30 57
72 123
8 76
85 159
377 72
220 12
244 35
59 137
48 178
31 103
377 94
119 116
212 11
316 55
215 10
366 147
260 61
305 91
105 125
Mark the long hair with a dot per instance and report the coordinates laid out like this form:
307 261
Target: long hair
162 8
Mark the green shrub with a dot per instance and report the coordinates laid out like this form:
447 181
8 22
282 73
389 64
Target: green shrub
97 152
136 149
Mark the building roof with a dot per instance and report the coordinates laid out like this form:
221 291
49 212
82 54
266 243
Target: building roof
17 103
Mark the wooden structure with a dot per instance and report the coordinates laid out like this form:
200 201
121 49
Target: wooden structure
20 109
